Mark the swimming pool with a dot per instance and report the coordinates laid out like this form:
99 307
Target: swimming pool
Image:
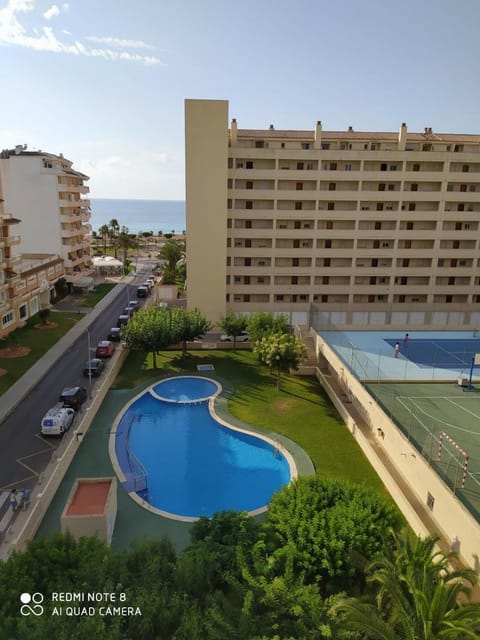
173 451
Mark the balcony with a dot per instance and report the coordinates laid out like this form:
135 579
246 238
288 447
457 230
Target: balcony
10 240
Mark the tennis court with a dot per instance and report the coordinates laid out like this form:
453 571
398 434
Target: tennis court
425 389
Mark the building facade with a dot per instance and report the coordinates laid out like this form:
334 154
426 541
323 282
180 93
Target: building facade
348 228
48 196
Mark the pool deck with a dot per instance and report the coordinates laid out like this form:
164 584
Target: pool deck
135 522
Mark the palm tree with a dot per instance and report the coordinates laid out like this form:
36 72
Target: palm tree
126 241
104 232
114 229
418 596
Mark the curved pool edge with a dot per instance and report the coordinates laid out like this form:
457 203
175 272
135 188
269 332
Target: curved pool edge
275 440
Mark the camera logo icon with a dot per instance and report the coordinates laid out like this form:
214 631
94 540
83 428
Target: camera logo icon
31 604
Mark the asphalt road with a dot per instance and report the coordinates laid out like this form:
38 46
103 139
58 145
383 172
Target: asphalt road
24 453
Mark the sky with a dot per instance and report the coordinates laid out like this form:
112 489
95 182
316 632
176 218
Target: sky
104 81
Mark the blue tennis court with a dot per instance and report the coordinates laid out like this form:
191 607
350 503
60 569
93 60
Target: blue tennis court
445 353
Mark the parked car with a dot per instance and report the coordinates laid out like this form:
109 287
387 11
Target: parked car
122 319
143 291
73 397
57 420
243 337
105 349
93 367
134 304
114 334
128 311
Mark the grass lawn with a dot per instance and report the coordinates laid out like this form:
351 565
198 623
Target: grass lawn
300 410
93 297
38 340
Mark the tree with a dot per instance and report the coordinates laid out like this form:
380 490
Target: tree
233 325
114 229
149 329
125 242
418 596
104 232
323 527
172 252
280 351
43 315
187 325
262 323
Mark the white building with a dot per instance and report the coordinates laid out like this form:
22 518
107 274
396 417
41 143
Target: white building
48 196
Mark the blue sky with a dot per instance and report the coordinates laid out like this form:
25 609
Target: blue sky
104 81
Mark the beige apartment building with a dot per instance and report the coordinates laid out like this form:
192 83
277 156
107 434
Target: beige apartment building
346 227
49 198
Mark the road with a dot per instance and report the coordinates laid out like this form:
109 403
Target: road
24 453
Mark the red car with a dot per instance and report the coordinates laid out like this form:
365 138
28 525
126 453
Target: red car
104 349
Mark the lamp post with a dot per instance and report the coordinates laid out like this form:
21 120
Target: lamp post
88 364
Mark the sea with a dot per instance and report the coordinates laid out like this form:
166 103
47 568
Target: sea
139 215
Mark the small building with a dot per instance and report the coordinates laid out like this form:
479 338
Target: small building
107 266
91 508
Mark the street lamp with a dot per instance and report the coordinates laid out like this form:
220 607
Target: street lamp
88 364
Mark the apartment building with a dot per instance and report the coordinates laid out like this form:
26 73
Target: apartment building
49 198
26 280
354 228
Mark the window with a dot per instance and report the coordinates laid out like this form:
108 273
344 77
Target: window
405 262
247 262
453 262
348 167
403 280
373 280
379 206
249 164
412 206
327 262
458 226
299 166
248 224
7 319
451 280
279 297
376 244
330 206
248 204
457 148
416 167
260 280
298 206
328 244
371 298
296 244
295 262
378 225
374 263
463 188
427 147
449 187
381 187
465 168
333 166
259 144
391 187
461 207
409 226
332 186
401 298
456 244
249 185
448 298
305 145
472 188
383 166
294 280
33 306
324 298
329 224
430 501
299 186
325 146
325 279
414 187
393 167
246 297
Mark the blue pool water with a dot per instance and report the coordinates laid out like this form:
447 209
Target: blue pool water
197 466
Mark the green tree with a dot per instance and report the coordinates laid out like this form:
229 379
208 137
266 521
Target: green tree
104 232
187 325
125 242
262 323
43 314
233 325
149 329
323 528
417 595
114 230
281 352
172 252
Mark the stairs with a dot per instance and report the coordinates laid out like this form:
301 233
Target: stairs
309 365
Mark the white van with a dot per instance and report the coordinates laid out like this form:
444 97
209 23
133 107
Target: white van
57 420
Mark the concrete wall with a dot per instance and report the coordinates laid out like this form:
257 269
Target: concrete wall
452 518
100 525
206 139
